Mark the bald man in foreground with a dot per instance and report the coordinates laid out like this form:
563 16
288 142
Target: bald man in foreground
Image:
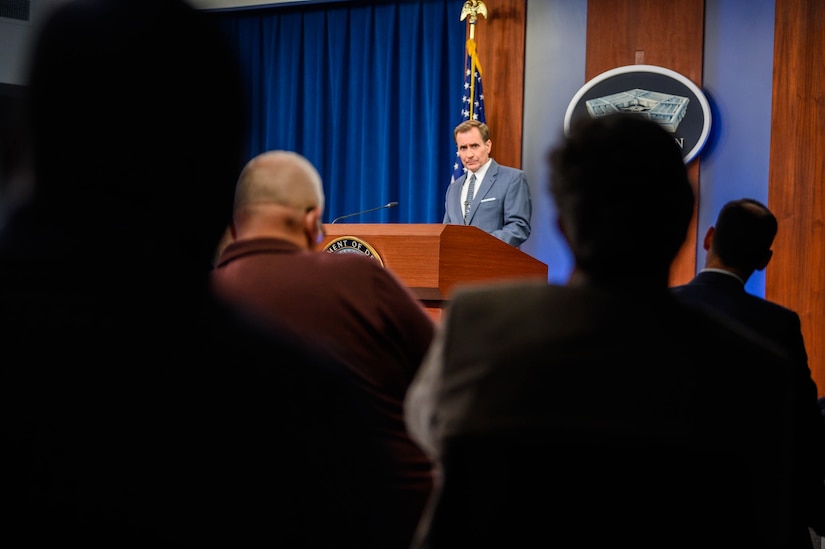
348 305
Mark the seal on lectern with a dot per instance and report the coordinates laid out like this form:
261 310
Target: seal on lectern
352 245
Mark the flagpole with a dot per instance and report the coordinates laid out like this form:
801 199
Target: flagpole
472 100
471 9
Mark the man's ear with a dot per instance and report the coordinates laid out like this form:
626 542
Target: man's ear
765 260
708 238
311 221
313 226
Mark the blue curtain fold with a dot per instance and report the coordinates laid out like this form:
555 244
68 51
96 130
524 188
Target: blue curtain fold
369 92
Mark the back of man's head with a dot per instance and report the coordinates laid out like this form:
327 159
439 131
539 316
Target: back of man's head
282 178
623 195
743 235
279 194
138 122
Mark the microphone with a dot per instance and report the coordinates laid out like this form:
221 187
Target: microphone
387 205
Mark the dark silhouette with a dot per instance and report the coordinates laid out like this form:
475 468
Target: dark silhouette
604 409
138 411
738 245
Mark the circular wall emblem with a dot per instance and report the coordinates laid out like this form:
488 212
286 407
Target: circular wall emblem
657 93
352 245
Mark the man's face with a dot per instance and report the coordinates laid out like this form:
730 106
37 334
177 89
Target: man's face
472 150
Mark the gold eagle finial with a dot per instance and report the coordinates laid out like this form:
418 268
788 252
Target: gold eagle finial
473 8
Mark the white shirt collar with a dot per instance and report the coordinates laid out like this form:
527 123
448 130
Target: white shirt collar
722 271
480 173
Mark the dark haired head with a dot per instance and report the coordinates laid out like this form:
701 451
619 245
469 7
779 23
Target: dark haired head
743 235
137 119
622 193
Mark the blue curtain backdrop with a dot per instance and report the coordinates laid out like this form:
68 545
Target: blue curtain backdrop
369 92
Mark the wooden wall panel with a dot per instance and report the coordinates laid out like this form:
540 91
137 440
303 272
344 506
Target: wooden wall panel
668 34
652 32
500 39
796 275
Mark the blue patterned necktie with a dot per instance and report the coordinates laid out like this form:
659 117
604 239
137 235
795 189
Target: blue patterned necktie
471 189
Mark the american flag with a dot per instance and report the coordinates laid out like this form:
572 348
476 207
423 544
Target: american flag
472 101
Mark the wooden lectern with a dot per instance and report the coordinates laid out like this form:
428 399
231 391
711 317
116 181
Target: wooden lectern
432 258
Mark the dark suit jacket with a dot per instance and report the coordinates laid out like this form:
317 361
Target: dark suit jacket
725 294
501 206
571 415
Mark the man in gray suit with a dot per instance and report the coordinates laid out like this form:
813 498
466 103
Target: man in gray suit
494 198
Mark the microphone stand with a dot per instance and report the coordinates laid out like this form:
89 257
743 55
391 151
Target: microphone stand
387 205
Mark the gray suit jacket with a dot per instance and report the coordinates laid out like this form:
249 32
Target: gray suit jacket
595 408
502 205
